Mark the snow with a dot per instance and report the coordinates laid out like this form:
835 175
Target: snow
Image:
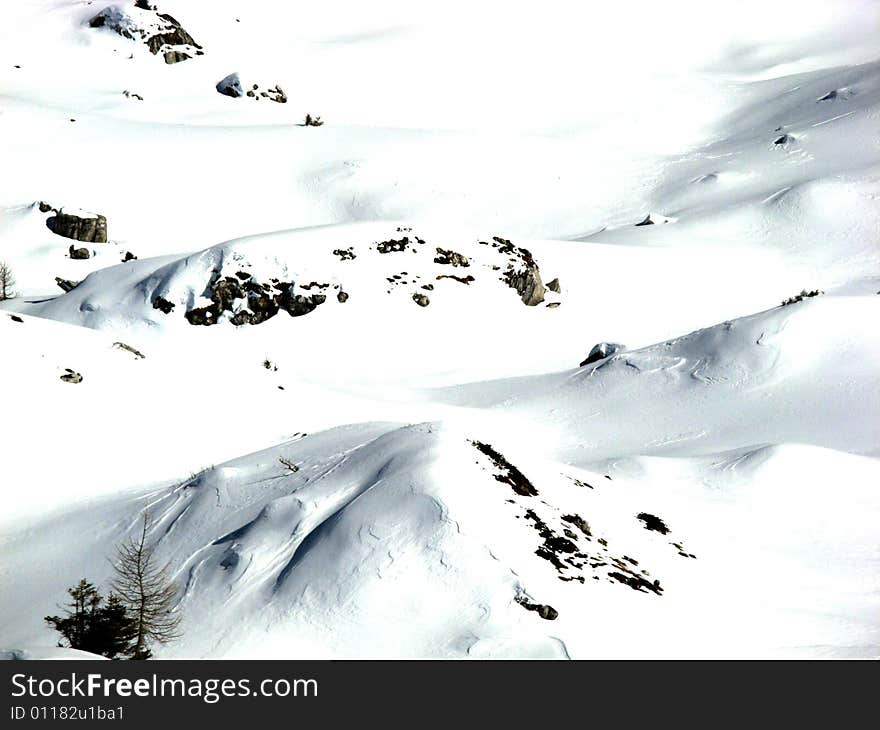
749 428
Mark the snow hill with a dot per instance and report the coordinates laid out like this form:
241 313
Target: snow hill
347 368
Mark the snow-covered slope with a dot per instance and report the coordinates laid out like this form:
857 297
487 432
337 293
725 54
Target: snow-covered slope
339 365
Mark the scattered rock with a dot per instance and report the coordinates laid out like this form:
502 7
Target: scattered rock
462 279
128 348
421 299
163 305
342 297
78 253
45 207
16 318
800 297
129 256
784 140
554 286
652 522
66 284
71 377
548 613
579 522
345 254
392 246
601 351
509 474
450 258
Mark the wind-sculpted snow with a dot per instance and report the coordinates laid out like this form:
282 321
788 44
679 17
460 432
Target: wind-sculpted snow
366 376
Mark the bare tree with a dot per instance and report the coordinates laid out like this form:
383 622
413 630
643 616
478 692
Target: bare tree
7 282
148 592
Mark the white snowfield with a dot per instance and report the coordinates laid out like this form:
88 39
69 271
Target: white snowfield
320 376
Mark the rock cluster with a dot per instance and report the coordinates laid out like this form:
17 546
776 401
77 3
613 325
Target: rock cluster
161 32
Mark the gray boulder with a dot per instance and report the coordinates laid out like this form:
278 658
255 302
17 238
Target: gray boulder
230 86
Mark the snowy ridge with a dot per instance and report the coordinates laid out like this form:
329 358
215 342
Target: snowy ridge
339 365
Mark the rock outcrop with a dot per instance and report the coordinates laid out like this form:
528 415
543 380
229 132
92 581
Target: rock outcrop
601 351
78 253
160 32
80 226
66 285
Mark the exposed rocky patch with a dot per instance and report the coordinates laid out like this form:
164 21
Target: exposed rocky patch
345 254
450 258
71 376
160 32
421 299
163 305
601 351
461 279
800 297
128 348
79 226
66 285
78 253
554 286
783 140
548 613
507 472
392 246
522 273
652 522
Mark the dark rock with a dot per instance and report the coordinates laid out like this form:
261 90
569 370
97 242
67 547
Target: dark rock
203 315
462 279
44 206
342 297
66 284
554 286
646 222
345 254
163 305
652 522
421 299
392 245
243 275
89 228
71 377
829 96
601 351
224 292
298 305
783 140
242 317
579 522
450 258
263 307
800 297
637 582
509 475
16 318
548 613
78 253
129 256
